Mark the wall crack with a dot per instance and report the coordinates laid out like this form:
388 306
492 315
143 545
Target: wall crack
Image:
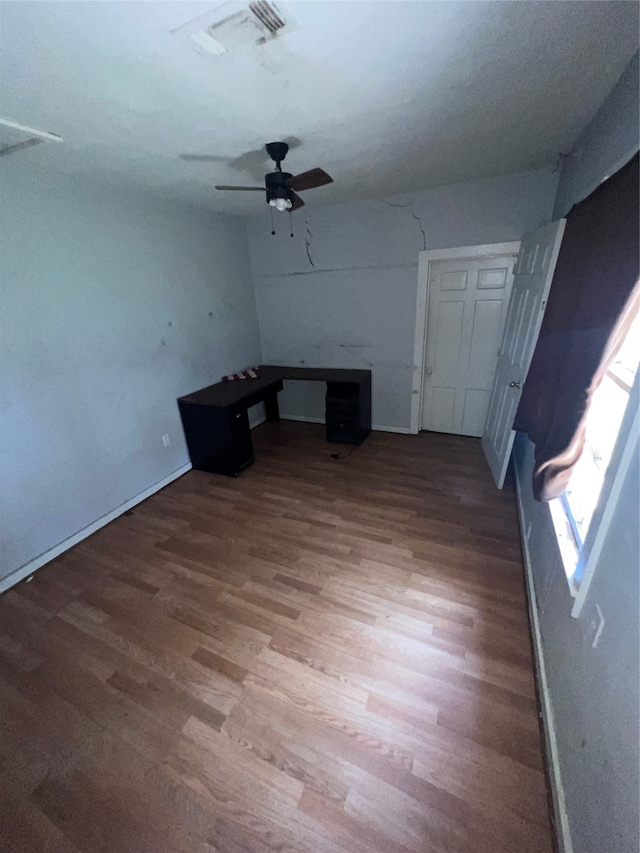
420 225
411 206
307 239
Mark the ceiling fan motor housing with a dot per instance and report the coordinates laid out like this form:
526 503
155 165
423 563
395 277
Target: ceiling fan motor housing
282 187
276 184
277 151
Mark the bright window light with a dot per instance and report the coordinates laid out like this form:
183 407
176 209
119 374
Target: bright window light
573 511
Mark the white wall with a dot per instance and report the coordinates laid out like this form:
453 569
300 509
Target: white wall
606 144
113 305
342 292
594 693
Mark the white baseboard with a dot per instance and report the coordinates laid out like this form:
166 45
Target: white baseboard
33 565
561 819
29 568
302 418
401 430
376 427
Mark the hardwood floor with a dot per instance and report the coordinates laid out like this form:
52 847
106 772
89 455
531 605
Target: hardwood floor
322 655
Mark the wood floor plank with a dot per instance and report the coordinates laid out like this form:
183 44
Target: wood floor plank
321 656
220 664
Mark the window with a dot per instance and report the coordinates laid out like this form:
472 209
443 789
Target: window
573 511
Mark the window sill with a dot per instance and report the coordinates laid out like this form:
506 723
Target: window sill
566 543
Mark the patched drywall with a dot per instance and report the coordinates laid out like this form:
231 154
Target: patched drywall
342 291
113 306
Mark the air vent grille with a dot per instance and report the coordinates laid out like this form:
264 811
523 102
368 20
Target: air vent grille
268 16
238 25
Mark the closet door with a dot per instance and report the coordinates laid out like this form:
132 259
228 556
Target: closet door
532 281
467 306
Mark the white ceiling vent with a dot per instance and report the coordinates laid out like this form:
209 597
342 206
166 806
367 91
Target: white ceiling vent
268 15
234 26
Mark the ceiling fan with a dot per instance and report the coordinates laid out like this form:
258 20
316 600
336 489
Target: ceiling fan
282 187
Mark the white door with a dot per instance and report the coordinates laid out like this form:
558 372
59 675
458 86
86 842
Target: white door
467 306
532 280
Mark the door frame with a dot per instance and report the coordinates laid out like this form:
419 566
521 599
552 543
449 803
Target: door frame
425 259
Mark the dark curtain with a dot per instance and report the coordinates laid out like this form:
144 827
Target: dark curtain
591 302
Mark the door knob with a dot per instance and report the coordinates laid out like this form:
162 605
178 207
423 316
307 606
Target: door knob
514 385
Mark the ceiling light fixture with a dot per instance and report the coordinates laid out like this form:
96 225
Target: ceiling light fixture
281 187
281 204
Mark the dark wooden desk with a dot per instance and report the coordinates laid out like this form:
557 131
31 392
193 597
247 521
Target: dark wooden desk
216 423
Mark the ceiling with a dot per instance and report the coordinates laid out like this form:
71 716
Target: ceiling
387 97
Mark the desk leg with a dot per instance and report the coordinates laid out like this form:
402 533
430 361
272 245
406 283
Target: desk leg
271 407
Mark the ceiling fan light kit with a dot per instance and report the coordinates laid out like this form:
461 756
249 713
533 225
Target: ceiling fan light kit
281 204
281 187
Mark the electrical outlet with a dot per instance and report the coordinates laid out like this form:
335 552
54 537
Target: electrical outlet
166 440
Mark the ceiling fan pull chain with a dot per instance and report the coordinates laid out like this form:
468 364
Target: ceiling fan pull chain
290 222
273 228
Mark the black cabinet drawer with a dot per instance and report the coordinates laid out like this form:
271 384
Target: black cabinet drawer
219 440
347 415
343 431
341 423
242 451
342 406
344 413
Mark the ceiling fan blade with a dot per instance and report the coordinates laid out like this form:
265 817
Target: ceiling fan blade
243 189
202 158
309 180
296 202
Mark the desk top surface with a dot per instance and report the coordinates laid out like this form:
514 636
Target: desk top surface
225 394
